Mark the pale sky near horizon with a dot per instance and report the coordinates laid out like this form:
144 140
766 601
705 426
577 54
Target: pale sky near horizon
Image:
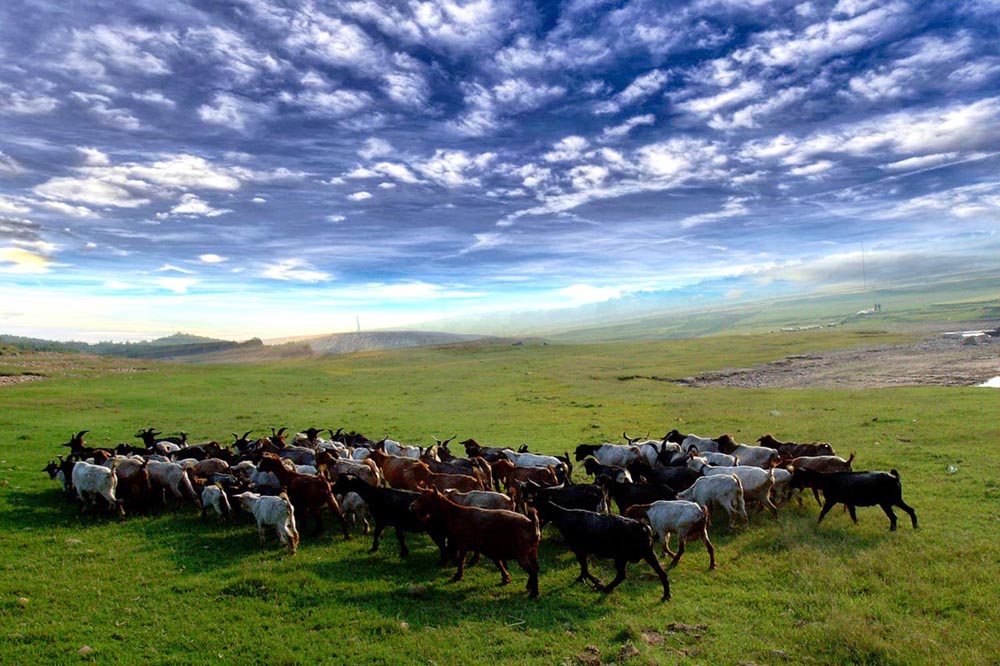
249 168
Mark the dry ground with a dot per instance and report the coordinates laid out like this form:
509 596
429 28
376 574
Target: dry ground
937 360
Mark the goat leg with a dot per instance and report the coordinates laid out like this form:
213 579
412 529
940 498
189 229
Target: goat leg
461 566
892 516
504 573
711 550
378 533
680 551
909 510
585 574
404 551
621 565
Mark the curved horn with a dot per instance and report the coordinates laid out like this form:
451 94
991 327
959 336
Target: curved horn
280 431
80 434
436 440
246 434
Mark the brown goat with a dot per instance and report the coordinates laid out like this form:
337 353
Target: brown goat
497 534
505 472
307 493
460 482
134 488
793 450
397 470
331 467
823 465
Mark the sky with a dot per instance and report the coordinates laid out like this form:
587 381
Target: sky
246 168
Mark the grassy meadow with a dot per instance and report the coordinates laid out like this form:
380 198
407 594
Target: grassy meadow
171 589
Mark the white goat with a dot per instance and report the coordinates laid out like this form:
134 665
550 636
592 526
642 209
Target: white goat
262 481
270 511
532 459
717 459
394 448
92 481
484 499
214 497
619 455
724 491
756 482
173 477
687 520
354 508
752 456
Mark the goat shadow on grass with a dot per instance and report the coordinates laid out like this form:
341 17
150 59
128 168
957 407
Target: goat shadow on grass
50 509
836 533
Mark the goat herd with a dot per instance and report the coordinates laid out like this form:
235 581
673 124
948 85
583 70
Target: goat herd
661 487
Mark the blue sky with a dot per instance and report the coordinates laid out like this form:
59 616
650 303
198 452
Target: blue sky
247 168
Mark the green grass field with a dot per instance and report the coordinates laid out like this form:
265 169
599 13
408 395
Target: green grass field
171 589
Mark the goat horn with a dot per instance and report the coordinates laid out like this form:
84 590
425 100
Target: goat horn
281 431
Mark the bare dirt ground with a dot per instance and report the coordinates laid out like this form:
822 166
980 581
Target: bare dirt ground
938 360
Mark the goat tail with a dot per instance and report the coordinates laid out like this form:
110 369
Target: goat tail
189 486
535 523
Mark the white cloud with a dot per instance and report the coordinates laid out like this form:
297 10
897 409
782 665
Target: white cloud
9 166
812 169
704 106
170 268
642 87
94 191
568 149
66 209
100 106
93 157
827 39
178 285
375 147
335 219
228 110
921 162
155 97
212 258
191 205
24 103
454 168
359 196
329 103
9 206
733 207
581 294
618 131
295 270
126 49
485 241
18 260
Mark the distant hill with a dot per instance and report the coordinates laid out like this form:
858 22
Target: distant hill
197 349
350 343
173 346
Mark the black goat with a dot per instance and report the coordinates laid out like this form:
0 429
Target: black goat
595 469
391 508
585 496
855 489
628 494
678 478
588 533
